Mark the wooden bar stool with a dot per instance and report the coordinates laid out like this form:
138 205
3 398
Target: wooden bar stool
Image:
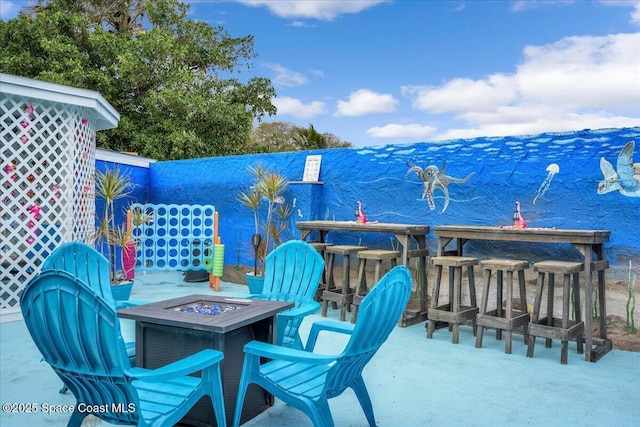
344 297
509 319
421 275
453 312
377 255
551 327
322 250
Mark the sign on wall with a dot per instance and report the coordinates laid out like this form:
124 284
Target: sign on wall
312 168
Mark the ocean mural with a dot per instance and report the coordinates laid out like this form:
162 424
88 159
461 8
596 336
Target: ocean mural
556 177
552 170
623 179
435 178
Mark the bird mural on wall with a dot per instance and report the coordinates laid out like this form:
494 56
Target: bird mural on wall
623 178
435 178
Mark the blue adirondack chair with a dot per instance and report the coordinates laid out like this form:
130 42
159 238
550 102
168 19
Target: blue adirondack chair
292 273
78 334
91 267
87 264
307 380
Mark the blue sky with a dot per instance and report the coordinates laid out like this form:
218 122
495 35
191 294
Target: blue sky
387 72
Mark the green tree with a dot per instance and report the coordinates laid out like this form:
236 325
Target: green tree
273 137
310 139
169 77
283 136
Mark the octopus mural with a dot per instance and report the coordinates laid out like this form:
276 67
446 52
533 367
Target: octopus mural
435 178
623 178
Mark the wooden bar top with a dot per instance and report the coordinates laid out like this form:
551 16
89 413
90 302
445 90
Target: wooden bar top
546 235
379 227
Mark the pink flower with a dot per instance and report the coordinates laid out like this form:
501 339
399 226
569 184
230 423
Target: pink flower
24 139
87 188
30 240
85 121
24 124
9 167
29 109
35 211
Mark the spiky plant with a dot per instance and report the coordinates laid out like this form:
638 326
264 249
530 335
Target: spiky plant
268 186
111 185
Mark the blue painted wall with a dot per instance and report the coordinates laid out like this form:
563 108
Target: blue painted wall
504 170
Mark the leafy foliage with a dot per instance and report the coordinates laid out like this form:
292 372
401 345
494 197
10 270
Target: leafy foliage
282 136
111 185
268 187
168 76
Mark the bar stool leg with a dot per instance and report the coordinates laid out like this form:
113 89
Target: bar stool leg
472 293
578 310
346 268
550 297
452 301
536 312
499 296
431 324
329 269
422 282
509 313
457 296
602 300
483 306
361 288
523 303
566 292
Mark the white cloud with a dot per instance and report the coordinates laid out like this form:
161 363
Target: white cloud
8 10
635 15
365 101
583 72
393 130
296 108
325 10
635 4
285 77
575 83
479 94
522 5
561 122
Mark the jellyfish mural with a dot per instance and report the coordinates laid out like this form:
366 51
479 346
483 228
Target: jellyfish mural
552 169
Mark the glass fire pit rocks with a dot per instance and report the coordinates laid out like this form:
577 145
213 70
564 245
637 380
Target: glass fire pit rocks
206 307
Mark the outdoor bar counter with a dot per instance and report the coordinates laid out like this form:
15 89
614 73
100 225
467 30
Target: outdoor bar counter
405 233
588 242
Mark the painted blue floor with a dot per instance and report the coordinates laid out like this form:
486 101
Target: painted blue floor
413 381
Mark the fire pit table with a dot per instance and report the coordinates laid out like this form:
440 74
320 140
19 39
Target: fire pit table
170 330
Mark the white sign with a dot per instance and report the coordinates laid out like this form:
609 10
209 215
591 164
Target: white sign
312 168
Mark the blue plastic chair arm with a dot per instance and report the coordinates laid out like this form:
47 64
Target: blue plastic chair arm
272 351
188 365
327 325
303 310
125 304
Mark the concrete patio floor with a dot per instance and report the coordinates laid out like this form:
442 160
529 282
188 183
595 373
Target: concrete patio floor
412 381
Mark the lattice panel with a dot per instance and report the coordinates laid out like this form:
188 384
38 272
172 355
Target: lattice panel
173 237
48 161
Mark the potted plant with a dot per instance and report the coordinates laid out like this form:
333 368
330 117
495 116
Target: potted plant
115 240
267 189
